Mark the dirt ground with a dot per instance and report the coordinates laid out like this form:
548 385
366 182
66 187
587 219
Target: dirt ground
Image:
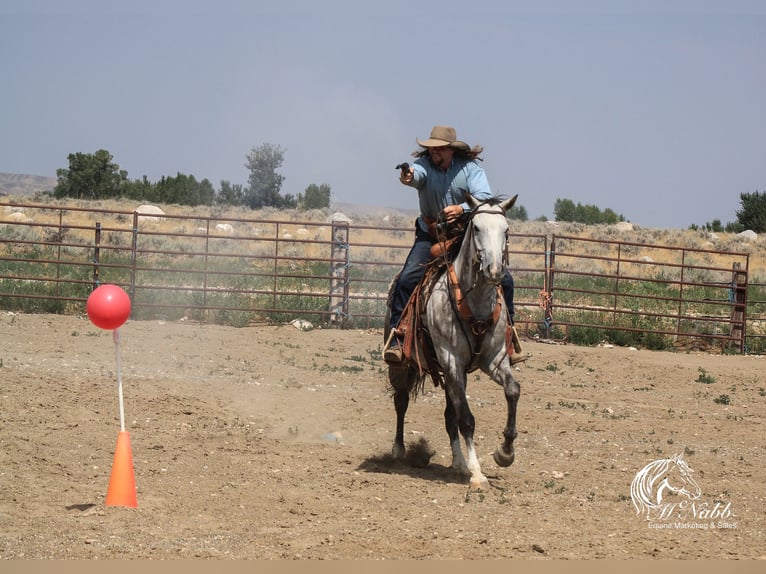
273 443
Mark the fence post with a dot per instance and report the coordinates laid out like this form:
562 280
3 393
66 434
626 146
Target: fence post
97 255
207 254
275 270
133 256
680 311
739 298
339 272
616 284
59 240
550 267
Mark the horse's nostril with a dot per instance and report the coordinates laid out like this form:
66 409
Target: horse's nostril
493 272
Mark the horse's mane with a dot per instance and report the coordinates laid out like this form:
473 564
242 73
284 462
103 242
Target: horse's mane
494 200
643 487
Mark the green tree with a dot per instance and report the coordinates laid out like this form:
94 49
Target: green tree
231 194
91 176
140 190
566 210
264 183
315 197
753 213
518 213
205 192
714 226
588 214
610 217
184 190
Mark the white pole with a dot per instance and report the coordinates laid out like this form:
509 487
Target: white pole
116 337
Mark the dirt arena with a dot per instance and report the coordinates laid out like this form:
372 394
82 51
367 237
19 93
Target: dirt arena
273 443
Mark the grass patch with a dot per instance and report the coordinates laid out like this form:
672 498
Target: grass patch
722 400
704 377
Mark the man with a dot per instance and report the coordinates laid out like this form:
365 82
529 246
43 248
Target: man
444 170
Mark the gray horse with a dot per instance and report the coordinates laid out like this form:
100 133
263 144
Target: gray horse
468 328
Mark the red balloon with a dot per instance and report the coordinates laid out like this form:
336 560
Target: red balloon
108 306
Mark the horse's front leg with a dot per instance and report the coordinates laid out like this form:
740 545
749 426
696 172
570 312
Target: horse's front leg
458 417
505 454
401 382
450 422
401 402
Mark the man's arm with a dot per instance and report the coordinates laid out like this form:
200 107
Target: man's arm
477 184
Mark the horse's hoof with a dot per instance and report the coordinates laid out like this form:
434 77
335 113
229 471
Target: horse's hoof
502 458
397 452
478 483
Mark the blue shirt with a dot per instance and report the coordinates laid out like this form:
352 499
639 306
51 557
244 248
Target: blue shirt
437 188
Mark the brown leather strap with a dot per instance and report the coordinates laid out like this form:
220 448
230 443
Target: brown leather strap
441 247
478 328
431 223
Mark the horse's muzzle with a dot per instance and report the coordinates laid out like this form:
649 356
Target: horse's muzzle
493 274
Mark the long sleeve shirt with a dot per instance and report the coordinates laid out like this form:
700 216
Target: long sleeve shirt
437 188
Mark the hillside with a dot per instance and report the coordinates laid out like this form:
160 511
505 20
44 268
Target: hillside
22 185
24 188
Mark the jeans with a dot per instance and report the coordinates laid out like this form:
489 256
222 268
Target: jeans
414 269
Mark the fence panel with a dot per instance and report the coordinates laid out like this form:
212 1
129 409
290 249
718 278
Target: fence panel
755 337
241 271
694 296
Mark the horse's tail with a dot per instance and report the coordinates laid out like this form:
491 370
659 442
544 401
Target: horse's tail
405 377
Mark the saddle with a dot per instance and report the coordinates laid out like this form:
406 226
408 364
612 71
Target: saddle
417 346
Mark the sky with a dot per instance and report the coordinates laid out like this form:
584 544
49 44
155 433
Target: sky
655 109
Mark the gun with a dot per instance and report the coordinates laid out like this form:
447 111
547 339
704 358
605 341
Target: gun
403 166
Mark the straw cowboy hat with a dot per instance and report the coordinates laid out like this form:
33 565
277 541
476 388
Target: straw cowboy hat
441 136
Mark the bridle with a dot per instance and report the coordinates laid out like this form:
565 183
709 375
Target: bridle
478 252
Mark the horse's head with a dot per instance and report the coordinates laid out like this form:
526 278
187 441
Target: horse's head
680 478
657 479
489 235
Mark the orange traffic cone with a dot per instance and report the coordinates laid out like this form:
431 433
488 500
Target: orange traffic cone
122 483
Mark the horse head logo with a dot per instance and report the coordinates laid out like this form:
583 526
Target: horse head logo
661 478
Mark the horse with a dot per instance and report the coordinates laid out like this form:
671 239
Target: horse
667 475
464 320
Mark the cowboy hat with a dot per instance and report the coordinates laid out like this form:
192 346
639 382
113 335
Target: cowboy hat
441 136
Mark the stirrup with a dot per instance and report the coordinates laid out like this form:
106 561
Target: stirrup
392 351
393 354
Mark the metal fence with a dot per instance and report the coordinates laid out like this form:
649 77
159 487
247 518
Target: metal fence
695 296
241 271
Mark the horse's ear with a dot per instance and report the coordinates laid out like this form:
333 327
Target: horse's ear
508 203
471 200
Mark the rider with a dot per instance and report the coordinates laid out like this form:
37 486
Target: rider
445 168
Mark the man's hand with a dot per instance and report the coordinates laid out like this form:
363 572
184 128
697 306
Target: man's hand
406 175
452 212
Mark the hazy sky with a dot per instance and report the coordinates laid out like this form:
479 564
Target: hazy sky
655 109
